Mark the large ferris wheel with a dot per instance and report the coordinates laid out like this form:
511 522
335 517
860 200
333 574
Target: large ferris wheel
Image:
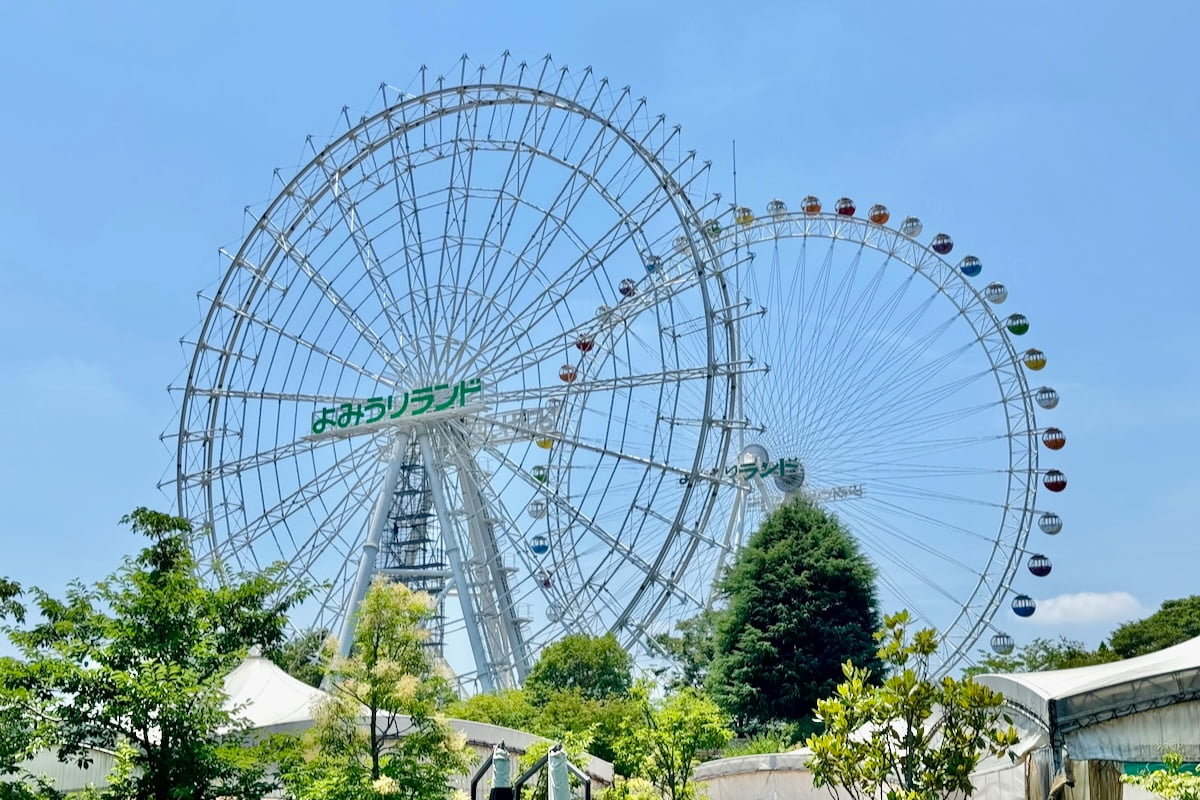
473 345
898 397
486 342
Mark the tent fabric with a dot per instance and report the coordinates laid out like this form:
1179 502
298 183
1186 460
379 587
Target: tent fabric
785 776
1141 737
271 700
1155 698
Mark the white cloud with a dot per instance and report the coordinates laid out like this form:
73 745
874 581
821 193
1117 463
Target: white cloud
1089 607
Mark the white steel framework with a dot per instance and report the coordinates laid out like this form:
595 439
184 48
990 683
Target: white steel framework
898 400
477 343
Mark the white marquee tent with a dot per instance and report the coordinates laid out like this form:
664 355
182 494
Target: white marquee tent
1124 711
272 701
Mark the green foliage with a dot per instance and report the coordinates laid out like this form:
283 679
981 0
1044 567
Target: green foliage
693 649
630 789
361 747
595 666
579 688
10 603
1177 621
801 599
675 732
135 665
912 738
604 722
562 714
767 742
509 708
301 656
32 788
1175 782
1043 654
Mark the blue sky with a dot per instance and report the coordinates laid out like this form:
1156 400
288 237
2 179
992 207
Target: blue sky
1058 139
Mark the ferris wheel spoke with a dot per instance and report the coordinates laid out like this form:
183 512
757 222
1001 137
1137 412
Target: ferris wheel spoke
332 528
907 442
328 534
253 461
891 488
910 378
408 214
896 534
934 521
300 260
909 424
595 327
601 450
873 385
576 516
277 397
612 240
454 223
907 566
906 600
887 310
833 360
316 349
591 386
879 317
905 449
900 422
362 242
324 480
891 382
825 335
884 431
538 118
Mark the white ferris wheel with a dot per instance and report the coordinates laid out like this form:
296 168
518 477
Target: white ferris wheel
484 342
477 344
898 398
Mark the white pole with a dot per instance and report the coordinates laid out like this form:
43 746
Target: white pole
559 779
454 555
370 548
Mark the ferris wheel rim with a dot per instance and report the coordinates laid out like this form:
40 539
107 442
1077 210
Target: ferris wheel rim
1020 421
210 404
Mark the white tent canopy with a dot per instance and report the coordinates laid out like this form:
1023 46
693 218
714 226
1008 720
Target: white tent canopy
1124 711
271 700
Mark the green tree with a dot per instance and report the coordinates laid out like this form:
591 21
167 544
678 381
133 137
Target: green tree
135 664
595 666
509 708
578 688
801 599
380 734
630 789
1177 621
1043 654
563 714
301 656
1173 782
911 738
605 721
675 732
692 650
